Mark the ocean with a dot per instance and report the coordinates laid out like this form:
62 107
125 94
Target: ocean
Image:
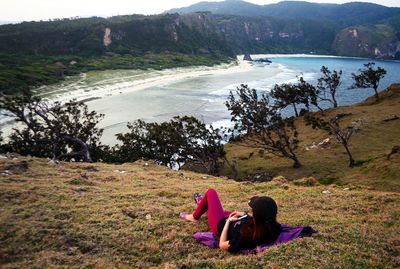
125 96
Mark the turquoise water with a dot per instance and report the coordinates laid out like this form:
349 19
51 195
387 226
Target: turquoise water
348 66
204 96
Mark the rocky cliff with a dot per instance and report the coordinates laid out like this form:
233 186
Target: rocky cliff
374 42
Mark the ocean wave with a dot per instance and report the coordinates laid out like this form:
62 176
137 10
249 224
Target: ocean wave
284 74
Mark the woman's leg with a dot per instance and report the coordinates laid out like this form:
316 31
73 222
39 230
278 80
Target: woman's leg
211 205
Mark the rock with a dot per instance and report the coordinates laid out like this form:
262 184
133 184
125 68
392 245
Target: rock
146 164
6 173
324 143
306 181
326 192
346 189
260 177
80 191
120 171
342 115
395 150
357 124
91 169
53 162
13 156
263 60
84 175
204 177
148 217
2 157
22 166
391 118
247 57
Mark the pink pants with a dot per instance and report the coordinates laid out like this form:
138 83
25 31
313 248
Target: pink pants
211 205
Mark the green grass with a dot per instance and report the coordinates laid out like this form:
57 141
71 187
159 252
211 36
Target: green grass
52 217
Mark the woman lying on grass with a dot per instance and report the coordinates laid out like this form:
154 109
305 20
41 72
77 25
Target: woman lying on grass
238 230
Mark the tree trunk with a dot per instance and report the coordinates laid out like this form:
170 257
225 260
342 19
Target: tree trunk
297 163
335 105
84 147
376 94
351 160
232 166
295 110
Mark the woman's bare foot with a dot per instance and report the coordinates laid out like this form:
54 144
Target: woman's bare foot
188 217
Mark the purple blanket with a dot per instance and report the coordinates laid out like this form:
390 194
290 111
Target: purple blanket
288 233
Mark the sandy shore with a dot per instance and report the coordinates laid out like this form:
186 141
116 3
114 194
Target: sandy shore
150 79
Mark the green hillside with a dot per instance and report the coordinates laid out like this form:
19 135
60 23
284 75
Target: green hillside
95 216
329 164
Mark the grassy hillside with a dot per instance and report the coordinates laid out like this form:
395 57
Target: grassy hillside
95 216
370 146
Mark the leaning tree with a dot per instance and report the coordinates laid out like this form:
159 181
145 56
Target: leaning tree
259 124
328 85
333 127
56 130
369 77
287 94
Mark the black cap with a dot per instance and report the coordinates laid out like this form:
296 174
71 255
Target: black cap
264 207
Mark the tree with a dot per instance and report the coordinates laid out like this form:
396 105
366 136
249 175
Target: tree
308 94
301 92
60 131
369 77
258 124
285 95
174 143
328 84
333 127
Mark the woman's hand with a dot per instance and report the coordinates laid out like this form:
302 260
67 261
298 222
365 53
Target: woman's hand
236 214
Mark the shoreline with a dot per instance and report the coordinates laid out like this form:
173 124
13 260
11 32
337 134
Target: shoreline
151 78
148 79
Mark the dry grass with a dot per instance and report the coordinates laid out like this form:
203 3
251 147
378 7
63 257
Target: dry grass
72 215
369 146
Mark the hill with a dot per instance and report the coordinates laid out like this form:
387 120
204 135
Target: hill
370 145
126 216
349 14
352 29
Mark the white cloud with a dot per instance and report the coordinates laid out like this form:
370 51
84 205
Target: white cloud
18 10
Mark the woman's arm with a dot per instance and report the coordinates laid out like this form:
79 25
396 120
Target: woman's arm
223 240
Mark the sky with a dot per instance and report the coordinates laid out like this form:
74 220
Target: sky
27 10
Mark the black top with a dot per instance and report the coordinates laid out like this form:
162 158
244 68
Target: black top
236 242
